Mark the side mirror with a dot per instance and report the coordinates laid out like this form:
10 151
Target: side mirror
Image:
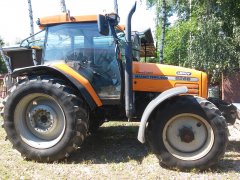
103 26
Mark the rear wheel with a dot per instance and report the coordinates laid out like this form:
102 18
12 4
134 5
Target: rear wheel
40 120
44 119
188 132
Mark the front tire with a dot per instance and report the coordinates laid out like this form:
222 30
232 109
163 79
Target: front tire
44 119
188 132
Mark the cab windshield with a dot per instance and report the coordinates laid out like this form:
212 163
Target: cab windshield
78 42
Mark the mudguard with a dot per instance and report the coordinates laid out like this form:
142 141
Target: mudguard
153 104
62 70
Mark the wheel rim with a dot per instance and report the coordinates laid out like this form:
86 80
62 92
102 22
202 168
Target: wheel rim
39 120
188 136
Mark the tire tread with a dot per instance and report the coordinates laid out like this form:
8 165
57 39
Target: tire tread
69 96
207 110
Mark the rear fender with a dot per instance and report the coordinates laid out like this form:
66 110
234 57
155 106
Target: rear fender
153 104
63 71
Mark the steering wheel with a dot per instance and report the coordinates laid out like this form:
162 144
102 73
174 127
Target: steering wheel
76 56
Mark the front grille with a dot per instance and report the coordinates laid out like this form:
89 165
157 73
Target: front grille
193 89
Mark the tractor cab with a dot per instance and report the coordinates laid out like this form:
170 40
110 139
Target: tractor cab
80 45
92 45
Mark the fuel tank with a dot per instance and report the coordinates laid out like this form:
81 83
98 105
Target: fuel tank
151 77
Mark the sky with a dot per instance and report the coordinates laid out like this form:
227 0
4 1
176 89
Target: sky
15 24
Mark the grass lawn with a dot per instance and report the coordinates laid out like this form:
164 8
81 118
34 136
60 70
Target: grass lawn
112 153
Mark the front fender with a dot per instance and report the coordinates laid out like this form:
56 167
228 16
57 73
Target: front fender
153 104
61 70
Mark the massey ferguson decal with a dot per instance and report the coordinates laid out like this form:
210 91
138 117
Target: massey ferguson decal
173 78
138 76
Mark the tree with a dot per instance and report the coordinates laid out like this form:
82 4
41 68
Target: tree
162 10
163 30
3 68
215 45
63 6
206 35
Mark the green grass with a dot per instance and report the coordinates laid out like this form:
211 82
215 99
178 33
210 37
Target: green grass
112 153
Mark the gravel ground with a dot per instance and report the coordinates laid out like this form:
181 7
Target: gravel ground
113 153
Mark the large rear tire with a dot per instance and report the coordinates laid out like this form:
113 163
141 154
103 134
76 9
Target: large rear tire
44 119
188 132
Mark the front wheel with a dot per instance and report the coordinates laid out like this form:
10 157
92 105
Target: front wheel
188 132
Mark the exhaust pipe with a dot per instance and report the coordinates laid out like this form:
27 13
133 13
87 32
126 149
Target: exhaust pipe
129 104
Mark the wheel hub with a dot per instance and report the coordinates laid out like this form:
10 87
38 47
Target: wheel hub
42 118
186 134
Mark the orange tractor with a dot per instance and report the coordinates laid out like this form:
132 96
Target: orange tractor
88 71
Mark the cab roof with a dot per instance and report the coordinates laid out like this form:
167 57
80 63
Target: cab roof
65 18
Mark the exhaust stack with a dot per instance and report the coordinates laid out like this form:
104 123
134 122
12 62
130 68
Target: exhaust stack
129 104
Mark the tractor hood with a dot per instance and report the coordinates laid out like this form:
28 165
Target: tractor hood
159 77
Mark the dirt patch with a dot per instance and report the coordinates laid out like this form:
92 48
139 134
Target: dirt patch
113 153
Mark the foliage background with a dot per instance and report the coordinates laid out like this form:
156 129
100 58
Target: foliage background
205 36
3 68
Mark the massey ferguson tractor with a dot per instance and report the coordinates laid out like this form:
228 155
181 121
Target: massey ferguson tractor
89 70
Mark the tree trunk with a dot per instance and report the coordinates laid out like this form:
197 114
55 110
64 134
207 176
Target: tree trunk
163 30
32 30
63 6
116 6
